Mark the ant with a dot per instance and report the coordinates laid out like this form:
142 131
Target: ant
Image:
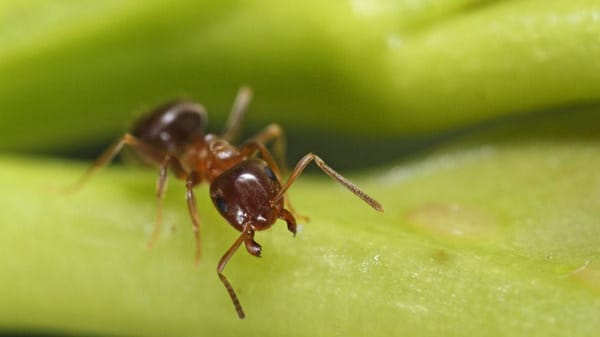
247 190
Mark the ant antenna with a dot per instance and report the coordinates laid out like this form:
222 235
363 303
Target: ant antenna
330 172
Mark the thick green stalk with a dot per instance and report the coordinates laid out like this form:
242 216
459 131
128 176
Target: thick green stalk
498 234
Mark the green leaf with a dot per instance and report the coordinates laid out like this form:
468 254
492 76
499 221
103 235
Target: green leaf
498 233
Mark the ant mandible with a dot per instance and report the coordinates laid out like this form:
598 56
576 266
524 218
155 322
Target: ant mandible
246 190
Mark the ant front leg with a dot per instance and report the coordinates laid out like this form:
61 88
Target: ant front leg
247 234
191 181
330 172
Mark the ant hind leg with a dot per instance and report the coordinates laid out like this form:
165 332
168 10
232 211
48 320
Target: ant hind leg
240 106
146 151
109 154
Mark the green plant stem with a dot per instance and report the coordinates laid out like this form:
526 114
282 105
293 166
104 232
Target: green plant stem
498 236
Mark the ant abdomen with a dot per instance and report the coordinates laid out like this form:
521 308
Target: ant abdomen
171 127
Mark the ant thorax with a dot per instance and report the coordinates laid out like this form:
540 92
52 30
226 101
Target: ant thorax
210 157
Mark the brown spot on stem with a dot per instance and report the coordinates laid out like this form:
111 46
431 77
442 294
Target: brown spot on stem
588 276
441 256
453 220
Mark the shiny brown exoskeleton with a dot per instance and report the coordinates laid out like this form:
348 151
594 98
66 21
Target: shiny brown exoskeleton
246 189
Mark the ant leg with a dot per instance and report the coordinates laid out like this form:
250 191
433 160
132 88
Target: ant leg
240 106
108 155
147 151
330 172
247 233
191 181
273 132
250 147
161 185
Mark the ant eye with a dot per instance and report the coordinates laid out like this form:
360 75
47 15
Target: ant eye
221 204
270 173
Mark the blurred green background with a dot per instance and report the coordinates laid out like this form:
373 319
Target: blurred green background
366 84
74 74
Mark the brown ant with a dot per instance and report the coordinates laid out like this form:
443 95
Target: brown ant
246 190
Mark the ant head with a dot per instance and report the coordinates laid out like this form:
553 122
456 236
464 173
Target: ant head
172 126
243 195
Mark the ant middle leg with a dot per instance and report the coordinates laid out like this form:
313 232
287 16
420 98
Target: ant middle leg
307 159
